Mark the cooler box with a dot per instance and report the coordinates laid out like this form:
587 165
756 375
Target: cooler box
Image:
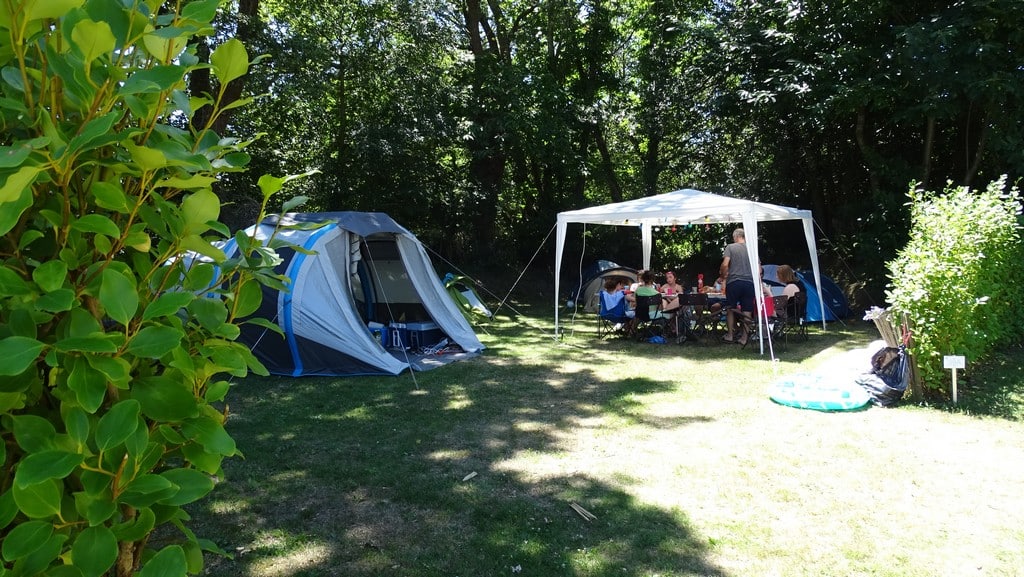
413 335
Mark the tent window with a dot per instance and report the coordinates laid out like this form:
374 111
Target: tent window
393 292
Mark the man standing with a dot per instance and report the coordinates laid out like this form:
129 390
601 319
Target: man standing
739 284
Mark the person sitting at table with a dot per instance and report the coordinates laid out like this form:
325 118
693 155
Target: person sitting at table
616 308
648 288
787 276
615 290
670 292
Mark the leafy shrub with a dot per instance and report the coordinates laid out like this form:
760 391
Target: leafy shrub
959 278
109 380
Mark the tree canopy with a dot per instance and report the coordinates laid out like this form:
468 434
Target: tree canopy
475 123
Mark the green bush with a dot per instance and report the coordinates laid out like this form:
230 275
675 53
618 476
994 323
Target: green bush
959 279
110 382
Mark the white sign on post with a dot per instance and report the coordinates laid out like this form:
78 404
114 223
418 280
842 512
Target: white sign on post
954 362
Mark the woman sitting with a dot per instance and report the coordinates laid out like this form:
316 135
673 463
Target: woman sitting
786 275
670 292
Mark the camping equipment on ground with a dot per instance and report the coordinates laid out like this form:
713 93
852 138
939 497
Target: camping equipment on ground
464 295
364 300
889 376
818 392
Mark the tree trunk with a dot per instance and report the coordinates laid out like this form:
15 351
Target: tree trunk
868 153
929 143
614 188
487 154
200 81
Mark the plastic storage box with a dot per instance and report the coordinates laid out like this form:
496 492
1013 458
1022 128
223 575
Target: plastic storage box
413 335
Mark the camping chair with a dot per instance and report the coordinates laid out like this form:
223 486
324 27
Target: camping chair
761 327
795 322
649 320
696 319
613 315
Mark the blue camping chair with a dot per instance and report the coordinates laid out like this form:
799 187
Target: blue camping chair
614 316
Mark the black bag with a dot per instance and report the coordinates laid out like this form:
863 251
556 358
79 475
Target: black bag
889 376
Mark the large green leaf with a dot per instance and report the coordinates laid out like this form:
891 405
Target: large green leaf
111 196
209 433
201 10
23 323
94 343
199 208
97 223
169 562
137 443
199 458
138 528
118 296
118 424
153 80
165 400
200 276
26 538
18 353
39 467
147 158
97 132
96 509
38 501
94 39
230 61
167 304
89 384
216 391
43 557
58 301
11 156
34 433
8 508
249 298
115 369
50 275
196 181
198 244
155 342
146 490
11 284
163 48
76 423
16 196
210 313
229 356
192 486
40 9
94 551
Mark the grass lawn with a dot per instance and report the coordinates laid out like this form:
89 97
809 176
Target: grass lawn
471 470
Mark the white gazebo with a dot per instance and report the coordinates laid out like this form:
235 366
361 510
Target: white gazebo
683 207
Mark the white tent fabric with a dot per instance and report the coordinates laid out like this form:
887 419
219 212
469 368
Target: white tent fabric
321 308
681 207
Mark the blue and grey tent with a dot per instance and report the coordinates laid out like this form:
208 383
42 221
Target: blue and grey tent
585 294
367 301
833 305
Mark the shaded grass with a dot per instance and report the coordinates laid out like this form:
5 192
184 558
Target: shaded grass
688 467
